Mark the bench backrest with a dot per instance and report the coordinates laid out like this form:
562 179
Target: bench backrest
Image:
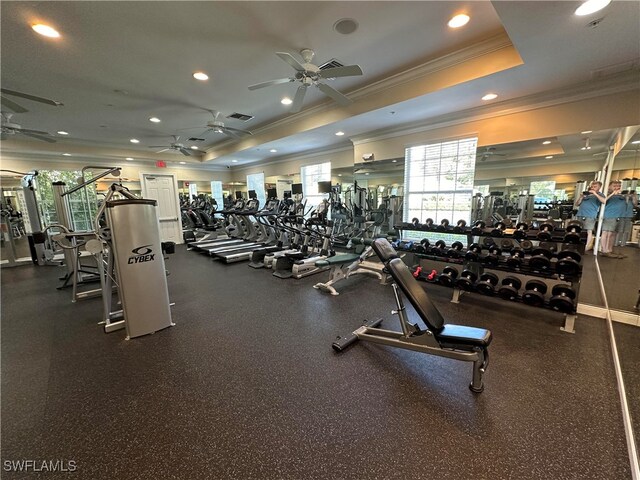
384 250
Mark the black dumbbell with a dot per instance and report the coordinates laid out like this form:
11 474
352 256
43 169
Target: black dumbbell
487 242
521 231
438 248
506 243
568 262
546 229
574 227
478 228
493 257
526 245
455 250
415 222
510 287
448 276
418 248
444 223
563 298
498 229
534 292
459 228
473 252
428 224
540 260
516 258
487 283
466 280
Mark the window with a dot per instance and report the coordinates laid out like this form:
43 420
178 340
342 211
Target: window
483 189
216 193
255 181
310 175
438 180
543 191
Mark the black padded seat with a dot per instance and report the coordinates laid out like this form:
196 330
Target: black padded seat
384 250
459 336
338 260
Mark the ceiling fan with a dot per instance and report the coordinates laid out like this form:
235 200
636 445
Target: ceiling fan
308 74
218 126
9 128
17 108
490 152
178 147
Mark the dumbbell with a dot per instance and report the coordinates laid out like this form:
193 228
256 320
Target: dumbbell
455 249
563 298
487 283
526 245
459 228
510 287
506 243
546 229
473 252
432 275
568 262
405 245
516 258
487 242
498 229
438 248
540 260
493 257
574 227
521 231
419 247
478 228
534 292
466 280
448 276
415 222
416 273
444 223
428 224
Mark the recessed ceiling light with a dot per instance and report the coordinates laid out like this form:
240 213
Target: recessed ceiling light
459 20
286 101
234 161
394 161
489 96
62 132
591 6
339 134
549 156
339 174
546 142
129 158
45 30
155 120
183 163
635 142
367 173
66 154
586 131
273 150
201 76
345 26
134 140
194 147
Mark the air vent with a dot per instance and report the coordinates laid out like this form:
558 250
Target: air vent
616 68
333 63
196 139
240 116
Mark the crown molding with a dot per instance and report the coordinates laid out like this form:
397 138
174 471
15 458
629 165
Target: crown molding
293 157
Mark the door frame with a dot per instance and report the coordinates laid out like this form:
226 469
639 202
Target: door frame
143 187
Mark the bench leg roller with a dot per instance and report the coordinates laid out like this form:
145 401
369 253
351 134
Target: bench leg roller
479 367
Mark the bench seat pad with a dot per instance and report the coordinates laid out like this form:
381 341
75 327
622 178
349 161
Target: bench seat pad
338 260
461 335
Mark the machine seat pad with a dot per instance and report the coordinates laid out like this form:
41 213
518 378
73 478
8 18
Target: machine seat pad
296 255
459 335
383 249
338 260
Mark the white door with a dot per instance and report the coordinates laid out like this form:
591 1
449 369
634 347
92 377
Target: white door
163 189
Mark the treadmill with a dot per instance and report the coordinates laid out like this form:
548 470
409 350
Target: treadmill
205 244
251 239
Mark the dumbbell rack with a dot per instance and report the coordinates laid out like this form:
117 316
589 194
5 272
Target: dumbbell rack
485 237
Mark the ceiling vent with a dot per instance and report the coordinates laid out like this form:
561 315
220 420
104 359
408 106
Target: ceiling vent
333 63
240 116
616 68
196 139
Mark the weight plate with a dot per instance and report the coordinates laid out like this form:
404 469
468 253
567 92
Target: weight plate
563 289
536 285
562 304
507 292
535 299
487 241
506 243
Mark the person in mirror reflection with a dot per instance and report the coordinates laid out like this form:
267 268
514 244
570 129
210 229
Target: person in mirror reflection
588 204
624 225
614 209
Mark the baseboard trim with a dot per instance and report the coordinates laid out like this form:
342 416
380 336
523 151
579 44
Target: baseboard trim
616 315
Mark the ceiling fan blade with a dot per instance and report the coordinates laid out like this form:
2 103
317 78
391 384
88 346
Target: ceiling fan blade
333 93
32 97
185 152
13 106
291 61
163 150
270 82
158 146
192 128
39 137
28 130
346 71
230 133
296 106
237 130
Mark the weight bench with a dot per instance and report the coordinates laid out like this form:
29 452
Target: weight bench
349 264
459 342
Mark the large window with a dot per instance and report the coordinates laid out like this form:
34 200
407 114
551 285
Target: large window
216 193
438 180
310 175
255 181
544 191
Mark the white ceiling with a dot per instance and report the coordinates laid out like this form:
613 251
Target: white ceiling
119 63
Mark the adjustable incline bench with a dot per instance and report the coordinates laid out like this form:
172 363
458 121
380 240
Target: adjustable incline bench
349 264
468 344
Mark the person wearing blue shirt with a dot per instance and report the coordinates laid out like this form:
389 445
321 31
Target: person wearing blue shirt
624 225
589 204
614 209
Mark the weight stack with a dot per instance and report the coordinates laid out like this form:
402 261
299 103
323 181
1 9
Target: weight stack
139 264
